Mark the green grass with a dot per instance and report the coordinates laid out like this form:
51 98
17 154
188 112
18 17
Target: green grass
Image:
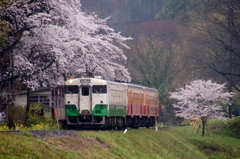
175 142
14 146
167 143
212 145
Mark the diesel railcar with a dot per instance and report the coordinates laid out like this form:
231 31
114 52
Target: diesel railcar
95 102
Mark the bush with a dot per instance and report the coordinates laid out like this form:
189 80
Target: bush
230 128
16 116
37 121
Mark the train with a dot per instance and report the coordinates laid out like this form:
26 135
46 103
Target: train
99 103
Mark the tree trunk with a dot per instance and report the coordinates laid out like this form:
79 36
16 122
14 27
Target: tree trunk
230 81
203 126
230 106
28 103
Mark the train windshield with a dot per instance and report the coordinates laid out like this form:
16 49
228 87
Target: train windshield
85 91
99 89
71 89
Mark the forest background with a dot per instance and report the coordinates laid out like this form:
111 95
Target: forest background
177 41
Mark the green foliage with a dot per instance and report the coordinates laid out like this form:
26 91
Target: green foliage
232 128
236 105
3 26
185 11
216 149
16 115
212 145
229 128
34 116
26 133
4 3
36 119
175 9
156 62
214 24
3 38
4 127
162 62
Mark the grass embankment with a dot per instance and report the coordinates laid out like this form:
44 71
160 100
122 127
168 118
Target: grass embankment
175 142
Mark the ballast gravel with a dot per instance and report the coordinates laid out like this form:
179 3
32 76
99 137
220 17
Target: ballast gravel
48 133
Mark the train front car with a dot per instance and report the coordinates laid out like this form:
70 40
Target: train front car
85 102
97 103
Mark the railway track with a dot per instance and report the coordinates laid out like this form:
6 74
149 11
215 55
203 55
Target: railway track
44 133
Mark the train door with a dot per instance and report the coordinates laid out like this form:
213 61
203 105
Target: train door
85 97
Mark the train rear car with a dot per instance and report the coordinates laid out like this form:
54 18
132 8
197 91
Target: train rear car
142 110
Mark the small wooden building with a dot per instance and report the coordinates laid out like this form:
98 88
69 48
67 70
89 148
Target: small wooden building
51 98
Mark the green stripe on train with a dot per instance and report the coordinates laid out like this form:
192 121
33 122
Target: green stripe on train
114 110
71 110
100 110
117 110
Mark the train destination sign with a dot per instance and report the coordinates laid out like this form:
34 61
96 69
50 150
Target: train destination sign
84 80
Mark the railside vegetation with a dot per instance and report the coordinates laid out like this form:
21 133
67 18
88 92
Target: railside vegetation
221 141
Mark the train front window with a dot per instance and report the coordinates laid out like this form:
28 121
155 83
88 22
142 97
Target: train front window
71 89
85 91
99 89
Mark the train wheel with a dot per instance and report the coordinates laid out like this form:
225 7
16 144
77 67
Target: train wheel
147 125
64 125
153 122
131 125
136 126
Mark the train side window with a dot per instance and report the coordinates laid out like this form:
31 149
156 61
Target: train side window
73 89
99 89
85 91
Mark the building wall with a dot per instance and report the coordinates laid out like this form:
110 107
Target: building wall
39 96
21 100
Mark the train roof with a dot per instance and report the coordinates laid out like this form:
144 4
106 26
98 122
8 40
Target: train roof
140 86
114 82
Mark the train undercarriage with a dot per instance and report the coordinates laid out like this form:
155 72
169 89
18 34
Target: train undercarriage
108 122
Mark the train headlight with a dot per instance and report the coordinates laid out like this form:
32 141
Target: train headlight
99 81
70 81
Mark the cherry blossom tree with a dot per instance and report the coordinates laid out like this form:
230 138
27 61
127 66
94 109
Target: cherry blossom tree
67 42
201 100
52 40
57 41
15 19
12 26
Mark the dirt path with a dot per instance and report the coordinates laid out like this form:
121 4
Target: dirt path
73 143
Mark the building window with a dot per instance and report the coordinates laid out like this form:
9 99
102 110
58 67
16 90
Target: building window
43 99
